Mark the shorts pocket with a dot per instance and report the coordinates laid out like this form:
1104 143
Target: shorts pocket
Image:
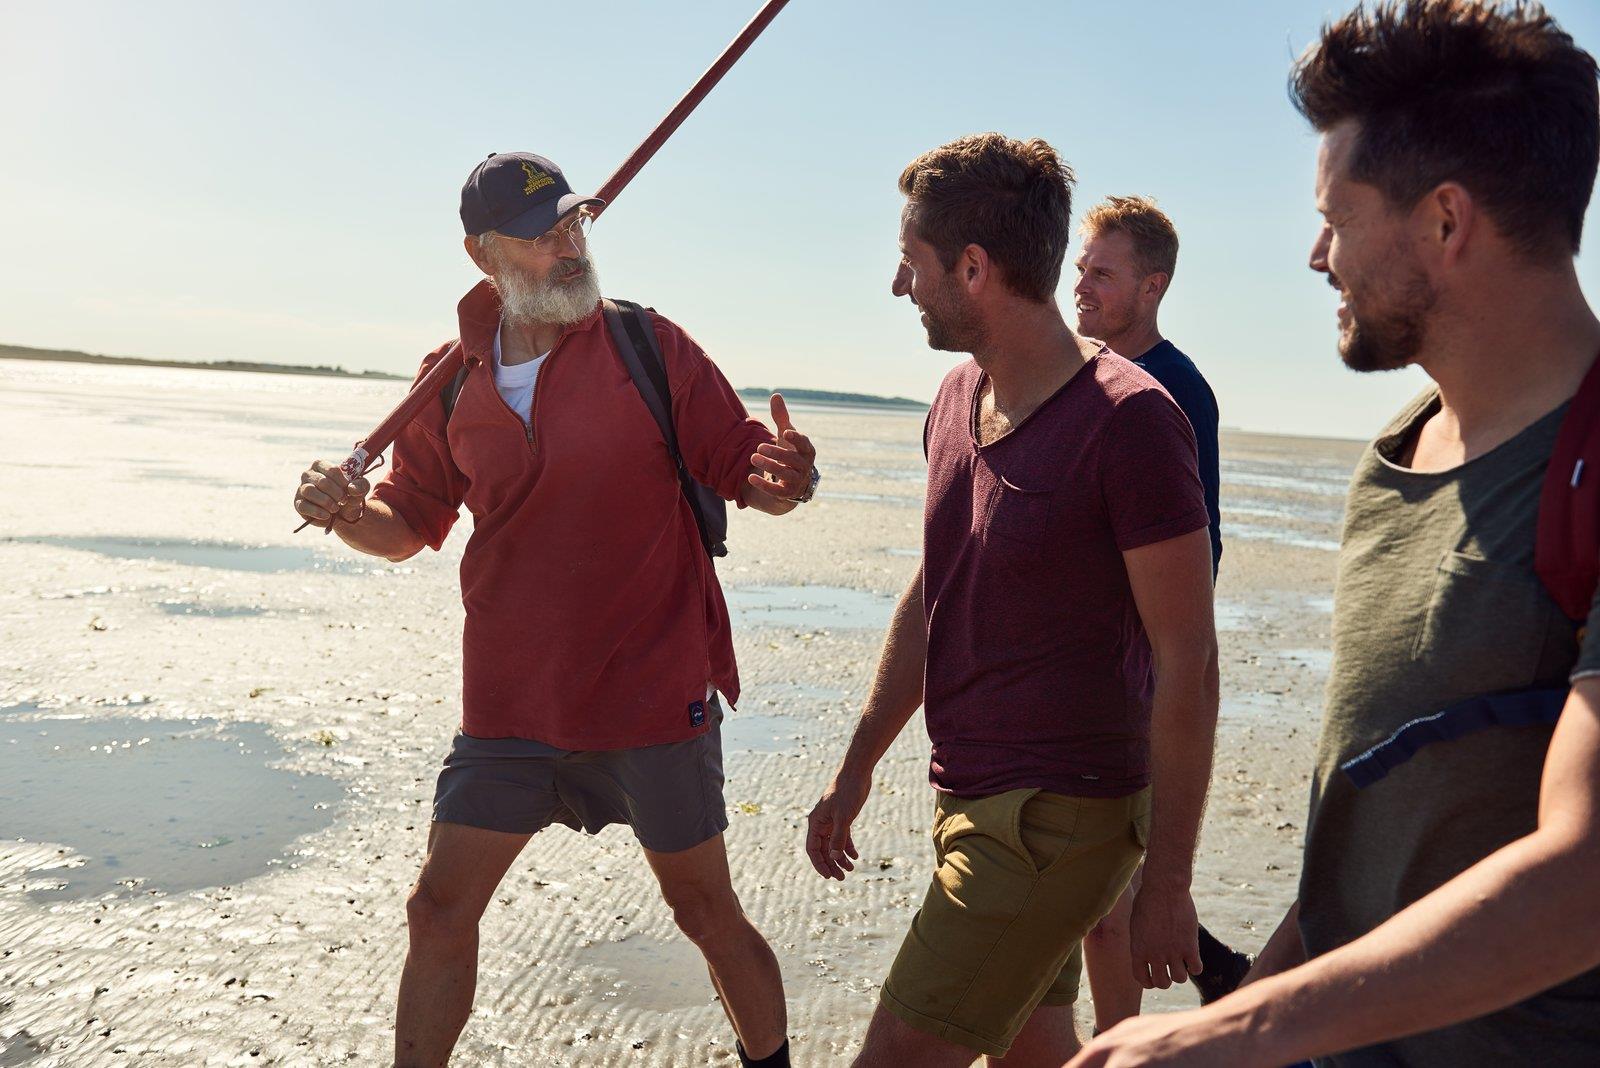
1047 828
997 817
941 813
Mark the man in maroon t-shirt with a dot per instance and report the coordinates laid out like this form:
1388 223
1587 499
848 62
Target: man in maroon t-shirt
1059 634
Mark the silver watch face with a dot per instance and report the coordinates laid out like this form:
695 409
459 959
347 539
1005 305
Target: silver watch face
811 487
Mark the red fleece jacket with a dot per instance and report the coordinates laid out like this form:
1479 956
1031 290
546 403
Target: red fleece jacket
594 617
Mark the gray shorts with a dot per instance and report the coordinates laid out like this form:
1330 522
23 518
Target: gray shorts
671 794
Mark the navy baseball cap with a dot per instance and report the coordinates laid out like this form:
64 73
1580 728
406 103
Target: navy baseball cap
518 194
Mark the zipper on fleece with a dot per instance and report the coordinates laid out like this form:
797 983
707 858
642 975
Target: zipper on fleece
527 427
533 409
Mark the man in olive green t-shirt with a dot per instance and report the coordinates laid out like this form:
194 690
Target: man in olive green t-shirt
1447 912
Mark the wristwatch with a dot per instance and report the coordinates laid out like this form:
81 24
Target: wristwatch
811 487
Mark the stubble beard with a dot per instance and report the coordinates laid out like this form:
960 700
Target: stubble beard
1390 339
952 325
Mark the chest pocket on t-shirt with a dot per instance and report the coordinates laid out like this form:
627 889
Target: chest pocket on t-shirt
1018 515
1484 616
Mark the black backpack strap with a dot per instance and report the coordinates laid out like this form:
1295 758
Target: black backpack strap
452 391
636 342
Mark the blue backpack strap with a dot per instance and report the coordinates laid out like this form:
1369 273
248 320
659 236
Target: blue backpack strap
636 343
1519 708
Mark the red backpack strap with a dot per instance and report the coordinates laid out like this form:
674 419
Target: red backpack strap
1567 547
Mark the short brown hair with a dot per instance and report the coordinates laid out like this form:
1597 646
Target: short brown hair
1012 198
1495 96
1155 239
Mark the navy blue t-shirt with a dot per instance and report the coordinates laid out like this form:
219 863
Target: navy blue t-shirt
1180 377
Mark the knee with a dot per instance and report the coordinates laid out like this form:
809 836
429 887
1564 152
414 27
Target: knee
431 917
891 1041
1109 933
707 919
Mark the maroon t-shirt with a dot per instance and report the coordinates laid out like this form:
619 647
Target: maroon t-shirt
1039 671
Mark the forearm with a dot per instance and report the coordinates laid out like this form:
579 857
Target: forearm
1284 950
380 532
1183 725
897 687
1528 908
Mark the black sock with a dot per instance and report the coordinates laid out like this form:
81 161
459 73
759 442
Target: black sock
1215 958
779 1058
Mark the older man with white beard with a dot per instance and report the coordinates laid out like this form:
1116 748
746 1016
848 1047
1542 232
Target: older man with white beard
597 640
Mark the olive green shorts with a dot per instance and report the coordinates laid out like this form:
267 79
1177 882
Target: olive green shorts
1021 877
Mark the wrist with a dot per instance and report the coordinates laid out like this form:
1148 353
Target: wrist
855 770
1240 1029
1162 878
853 775
1257 1016
810 490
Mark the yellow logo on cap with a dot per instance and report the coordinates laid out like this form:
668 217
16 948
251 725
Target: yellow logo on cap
537 179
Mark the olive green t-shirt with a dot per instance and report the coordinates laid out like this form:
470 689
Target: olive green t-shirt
1437 601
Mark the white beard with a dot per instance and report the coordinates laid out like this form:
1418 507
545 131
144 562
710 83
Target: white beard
550 301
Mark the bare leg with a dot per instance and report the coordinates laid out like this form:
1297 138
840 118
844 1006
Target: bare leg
1048 1040
1108 958
463 867
893 1043
696 885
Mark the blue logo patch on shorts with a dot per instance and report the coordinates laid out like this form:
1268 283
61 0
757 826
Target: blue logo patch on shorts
697 714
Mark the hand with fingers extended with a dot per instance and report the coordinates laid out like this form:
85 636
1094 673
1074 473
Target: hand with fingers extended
1164 933
781 472
325 492
828 842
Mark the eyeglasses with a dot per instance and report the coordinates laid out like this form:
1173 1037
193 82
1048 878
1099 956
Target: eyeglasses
576 231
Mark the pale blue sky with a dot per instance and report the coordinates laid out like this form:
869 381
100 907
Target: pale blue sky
280 181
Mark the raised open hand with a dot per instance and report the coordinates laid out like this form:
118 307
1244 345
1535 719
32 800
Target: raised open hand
782 469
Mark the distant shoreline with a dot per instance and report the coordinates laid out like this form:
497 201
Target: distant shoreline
21 352
749 394
823 396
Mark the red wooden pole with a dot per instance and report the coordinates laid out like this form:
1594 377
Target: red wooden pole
730 55
369 448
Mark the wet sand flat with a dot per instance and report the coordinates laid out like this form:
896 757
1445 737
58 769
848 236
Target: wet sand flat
218 743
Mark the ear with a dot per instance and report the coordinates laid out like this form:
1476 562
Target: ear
1449 218
974 268
1155 285
474 249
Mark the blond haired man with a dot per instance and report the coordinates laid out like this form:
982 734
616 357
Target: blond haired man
1129 255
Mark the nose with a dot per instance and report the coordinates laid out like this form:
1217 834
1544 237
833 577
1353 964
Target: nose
1319 250
1082 288
901 287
